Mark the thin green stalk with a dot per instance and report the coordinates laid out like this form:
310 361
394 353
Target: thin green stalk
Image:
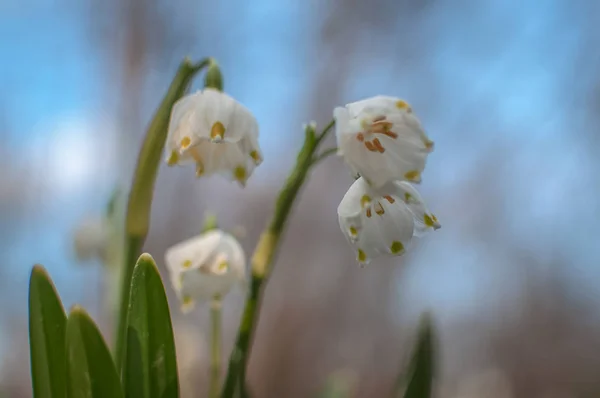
215 347
142 189
324 154
263 258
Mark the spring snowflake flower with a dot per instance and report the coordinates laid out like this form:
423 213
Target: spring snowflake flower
205 266
382 222
382 140
90 239
216 133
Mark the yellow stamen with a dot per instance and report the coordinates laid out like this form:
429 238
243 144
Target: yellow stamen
362 257
396 247
378 145
353 231
173 158
434 218
185 142
256 157
365 201
199 169
240 174
428 220
400 104
413 176
379 209
369 212
223 266
381 127
217 130
429 145
407 197
187 264
371 147
187 303
389 199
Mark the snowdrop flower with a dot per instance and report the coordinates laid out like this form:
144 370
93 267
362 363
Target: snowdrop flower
382 222
216 133
90 239
382 140
205 266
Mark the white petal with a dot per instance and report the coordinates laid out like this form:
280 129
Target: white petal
216 133
375 222
192 253
205 266
233 116
425 221
382 140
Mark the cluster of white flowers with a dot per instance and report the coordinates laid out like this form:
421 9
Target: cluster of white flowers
382 140
379 138
218 135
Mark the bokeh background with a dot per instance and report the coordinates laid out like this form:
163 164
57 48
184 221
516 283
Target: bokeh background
508 90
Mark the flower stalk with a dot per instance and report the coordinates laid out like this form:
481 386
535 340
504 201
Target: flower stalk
215 347
142 188
264 257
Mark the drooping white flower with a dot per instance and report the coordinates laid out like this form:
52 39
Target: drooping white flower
216 133
382 222
91 239
205 266
382 140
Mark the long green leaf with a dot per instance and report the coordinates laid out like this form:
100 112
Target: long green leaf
150 366
418 380
47 323
92 373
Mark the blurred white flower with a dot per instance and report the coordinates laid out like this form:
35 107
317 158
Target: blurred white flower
382 222
216 133
205 266
91 239
382 140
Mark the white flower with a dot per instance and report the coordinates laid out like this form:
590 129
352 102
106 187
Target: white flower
382 222
216 133
382 140
205 266
90 239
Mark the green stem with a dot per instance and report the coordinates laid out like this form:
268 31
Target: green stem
142 188
215 347
264 256
324 154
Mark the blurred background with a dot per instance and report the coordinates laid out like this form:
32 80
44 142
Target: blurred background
509 91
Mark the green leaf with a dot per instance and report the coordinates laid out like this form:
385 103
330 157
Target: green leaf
47 323
150 366
92 373
418 380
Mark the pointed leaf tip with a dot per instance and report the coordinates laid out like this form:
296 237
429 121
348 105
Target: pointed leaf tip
92 372
150 366
417 380
47 324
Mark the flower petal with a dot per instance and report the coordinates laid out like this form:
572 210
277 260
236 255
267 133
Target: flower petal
375 222
425 221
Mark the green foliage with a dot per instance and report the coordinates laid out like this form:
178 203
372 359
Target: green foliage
149 365
47 324
92 373
417 381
